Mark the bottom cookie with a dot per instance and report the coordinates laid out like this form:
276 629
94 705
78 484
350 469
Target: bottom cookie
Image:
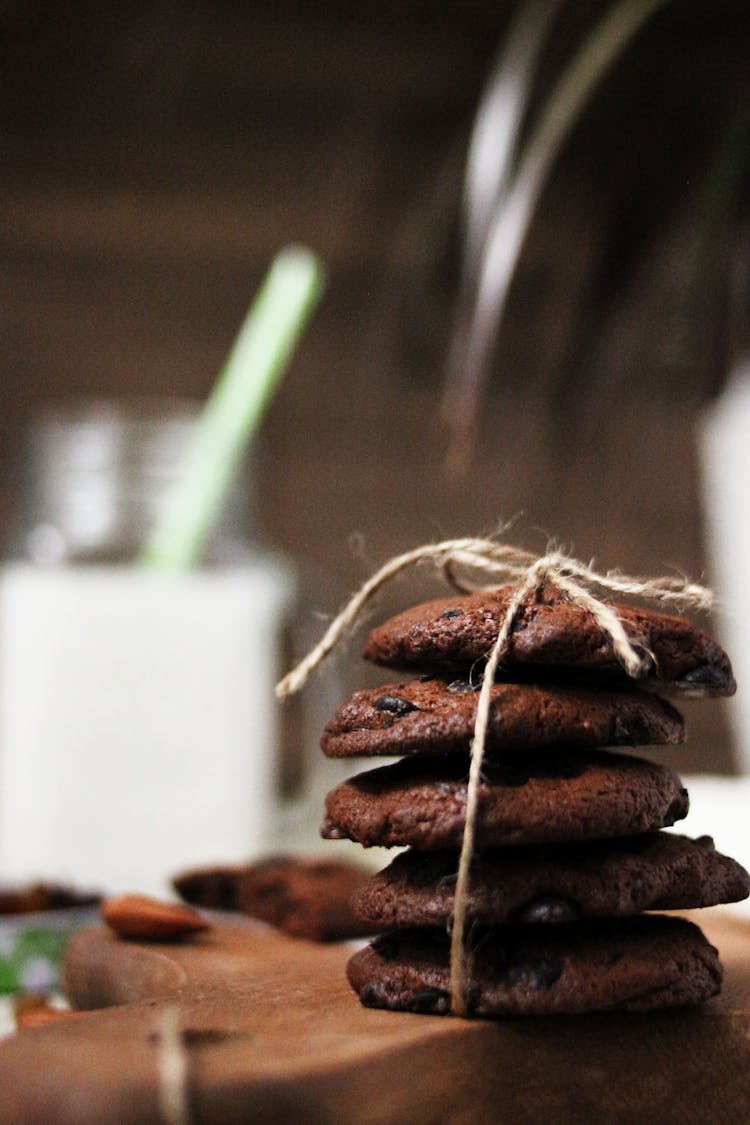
636 964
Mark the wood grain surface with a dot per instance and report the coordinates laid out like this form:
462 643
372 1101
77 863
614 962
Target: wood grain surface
270 1031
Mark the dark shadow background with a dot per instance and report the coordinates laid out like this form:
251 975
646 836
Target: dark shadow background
156 154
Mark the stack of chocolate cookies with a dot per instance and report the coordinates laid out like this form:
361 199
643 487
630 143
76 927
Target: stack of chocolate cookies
569 848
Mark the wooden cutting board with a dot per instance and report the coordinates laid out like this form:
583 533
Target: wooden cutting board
244 1025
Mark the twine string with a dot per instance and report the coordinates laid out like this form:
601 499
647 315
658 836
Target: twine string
460 560
348 617
484 564
171 1068
459 959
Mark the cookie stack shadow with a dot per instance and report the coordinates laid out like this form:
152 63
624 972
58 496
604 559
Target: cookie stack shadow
570 854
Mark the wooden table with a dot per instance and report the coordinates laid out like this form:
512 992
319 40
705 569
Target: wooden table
245 1025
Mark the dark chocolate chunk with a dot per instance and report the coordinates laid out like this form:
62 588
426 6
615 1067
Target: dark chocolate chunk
549 909
532 974
430 1001
460 687
707 676
394 705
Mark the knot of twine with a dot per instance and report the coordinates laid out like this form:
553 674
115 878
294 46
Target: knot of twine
485 564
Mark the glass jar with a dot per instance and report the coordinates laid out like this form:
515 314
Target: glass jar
138 730
98 476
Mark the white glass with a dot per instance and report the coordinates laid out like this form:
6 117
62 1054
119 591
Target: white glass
139 734
725 454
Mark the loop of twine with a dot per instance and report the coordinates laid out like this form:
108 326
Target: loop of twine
484 564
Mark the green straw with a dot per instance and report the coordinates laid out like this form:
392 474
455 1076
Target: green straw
236 406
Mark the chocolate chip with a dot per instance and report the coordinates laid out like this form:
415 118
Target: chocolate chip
429 1000
707 675
394 705
549 909
460 687
372 996
450 613
532 974
631 731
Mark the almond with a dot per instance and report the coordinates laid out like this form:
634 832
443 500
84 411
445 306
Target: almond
33 1011
149 919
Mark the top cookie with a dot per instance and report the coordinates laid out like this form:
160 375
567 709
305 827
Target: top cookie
551 633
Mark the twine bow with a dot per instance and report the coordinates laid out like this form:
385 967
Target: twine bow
485 564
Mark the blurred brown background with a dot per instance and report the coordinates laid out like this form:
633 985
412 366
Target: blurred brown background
156 154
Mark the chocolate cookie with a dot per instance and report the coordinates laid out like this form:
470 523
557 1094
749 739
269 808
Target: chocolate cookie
567 795
637 965
44 896
548 885
435 716
551 632
307 898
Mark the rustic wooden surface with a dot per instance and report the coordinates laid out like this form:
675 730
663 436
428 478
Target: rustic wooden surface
271 1032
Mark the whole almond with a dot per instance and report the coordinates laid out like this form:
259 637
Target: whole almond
33 1011
149 919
